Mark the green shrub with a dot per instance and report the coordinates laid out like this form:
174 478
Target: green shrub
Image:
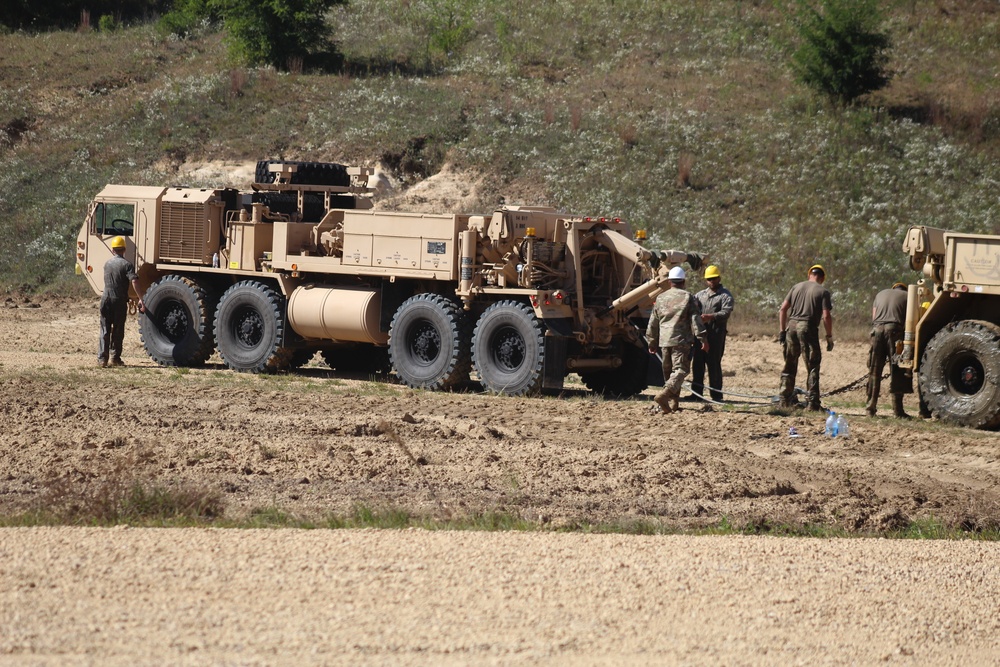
188 17
843 53
108 23
280 33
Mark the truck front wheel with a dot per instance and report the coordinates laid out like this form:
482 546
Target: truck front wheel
960 374
429 342
508 349
249 328
176 328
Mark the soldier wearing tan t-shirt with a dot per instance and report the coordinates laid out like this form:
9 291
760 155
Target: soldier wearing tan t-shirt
888 314
808 303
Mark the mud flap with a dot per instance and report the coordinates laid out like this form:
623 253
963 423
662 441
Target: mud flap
554 362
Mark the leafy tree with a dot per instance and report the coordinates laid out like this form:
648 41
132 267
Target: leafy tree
280 32
843 52
186 16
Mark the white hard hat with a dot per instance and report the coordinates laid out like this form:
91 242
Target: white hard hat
677 273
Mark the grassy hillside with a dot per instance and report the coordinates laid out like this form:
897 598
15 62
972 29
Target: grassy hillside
679 116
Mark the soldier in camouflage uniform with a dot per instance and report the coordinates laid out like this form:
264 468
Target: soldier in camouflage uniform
674 325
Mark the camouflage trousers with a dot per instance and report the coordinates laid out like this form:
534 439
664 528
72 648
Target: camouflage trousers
883 345
676 366
801 341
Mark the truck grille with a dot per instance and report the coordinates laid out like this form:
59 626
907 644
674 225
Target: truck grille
182 232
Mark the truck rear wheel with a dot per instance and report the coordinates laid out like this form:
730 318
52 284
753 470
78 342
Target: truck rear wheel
249 328
176 329
508 349
629 379
960 374
429 343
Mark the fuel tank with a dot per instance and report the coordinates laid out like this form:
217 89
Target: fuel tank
336 313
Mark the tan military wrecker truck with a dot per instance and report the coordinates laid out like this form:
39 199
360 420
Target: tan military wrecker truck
952 329
301 262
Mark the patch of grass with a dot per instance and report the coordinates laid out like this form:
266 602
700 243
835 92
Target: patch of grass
150 506
121 497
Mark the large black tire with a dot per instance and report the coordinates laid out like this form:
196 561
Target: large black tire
429 343
960 374
357 358
250 327
629 379
508 349
176 328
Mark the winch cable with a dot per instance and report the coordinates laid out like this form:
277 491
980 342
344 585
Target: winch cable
771 399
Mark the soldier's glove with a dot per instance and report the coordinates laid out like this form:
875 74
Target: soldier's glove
782 338
829 343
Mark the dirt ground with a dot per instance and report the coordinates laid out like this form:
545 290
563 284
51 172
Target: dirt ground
311 443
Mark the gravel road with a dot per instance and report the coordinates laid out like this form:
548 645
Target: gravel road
126 596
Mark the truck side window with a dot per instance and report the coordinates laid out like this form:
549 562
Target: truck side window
116 219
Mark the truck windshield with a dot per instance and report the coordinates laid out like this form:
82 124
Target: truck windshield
116 219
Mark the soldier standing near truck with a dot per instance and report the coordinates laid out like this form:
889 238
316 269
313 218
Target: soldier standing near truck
716 306
807 303
888 315
118 274
674 323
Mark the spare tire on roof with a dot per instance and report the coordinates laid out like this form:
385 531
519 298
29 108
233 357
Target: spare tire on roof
306 173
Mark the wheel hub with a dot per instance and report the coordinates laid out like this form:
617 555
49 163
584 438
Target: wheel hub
425 344
249 329
510 349
174 323
970 376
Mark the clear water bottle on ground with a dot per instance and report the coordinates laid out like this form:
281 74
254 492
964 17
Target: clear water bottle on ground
841 427
831 424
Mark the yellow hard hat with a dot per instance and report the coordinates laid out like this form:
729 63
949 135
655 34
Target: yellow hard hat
118 242
712 272
816 266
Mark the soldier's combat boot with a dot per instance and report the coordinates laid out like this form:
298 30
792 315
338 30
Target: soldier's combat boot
675 403
897 407
663 400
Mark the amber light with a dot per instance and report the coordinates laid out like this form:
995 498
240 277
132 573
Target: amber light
641 234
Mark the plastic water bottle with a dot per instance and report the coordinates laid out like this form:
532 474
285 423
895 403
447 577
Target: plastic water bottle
215 261
841 428
830 430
